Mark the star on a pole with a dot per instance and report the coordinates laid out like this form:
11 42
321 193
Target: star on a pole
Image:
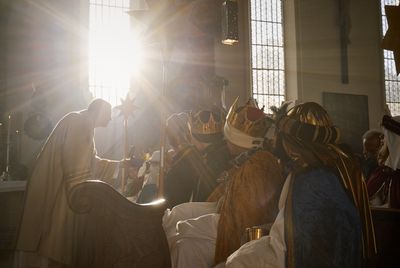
127 107
391 40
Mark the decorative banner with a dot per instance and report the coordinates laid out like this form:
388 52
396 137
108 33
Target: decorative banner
391 40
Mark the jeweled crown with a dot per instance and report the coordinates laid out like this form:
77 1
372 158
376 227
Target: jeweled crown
207 121
248 119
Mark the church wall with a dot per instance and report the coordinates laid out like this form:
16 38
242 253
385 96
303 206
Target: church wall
313 58
42 47
40 50
233 63
3 129
318 52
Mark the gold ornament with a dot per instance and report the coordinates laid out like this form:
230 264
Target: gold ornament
206 122
248 119
127 108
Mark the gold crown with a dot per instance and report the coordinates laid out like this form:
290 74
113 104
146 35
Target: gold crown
248 119
207 122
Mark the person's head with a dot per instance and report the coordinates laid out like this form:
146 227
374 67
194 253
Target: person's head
178 131
206 126
372 143
100 112
245 127
391 131
305 132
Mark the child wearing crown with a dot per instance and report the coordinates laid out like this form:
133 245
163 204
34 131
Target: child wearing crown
200 156
204 234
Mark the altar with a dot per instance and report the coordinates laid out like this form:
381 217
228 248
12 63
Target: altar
11 203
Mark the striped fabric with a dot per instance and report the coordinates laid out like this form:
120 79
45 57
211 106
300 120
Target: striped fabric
308 132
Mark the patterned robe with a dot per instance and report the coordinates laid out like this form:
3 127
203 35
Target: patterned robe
48 225
251 199
322 225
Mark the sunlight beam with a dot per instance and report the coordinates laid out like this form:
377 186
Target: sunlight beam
114 54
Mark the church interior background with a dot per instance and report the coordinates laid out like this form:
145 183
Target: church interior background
329 52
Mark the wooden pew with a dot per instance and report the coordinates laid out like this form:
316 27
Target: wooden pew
11 207
387 233
114 232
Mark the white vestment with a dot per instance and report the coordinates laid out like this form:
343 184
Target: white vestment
48 225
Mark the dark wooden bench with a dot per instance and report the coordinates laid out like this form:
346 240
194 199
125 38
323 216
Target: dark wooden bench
114 232
387 233
11 207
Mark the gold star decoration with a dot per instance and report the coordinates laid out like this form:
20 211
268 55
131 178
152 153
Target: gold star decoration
391 40
127 107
